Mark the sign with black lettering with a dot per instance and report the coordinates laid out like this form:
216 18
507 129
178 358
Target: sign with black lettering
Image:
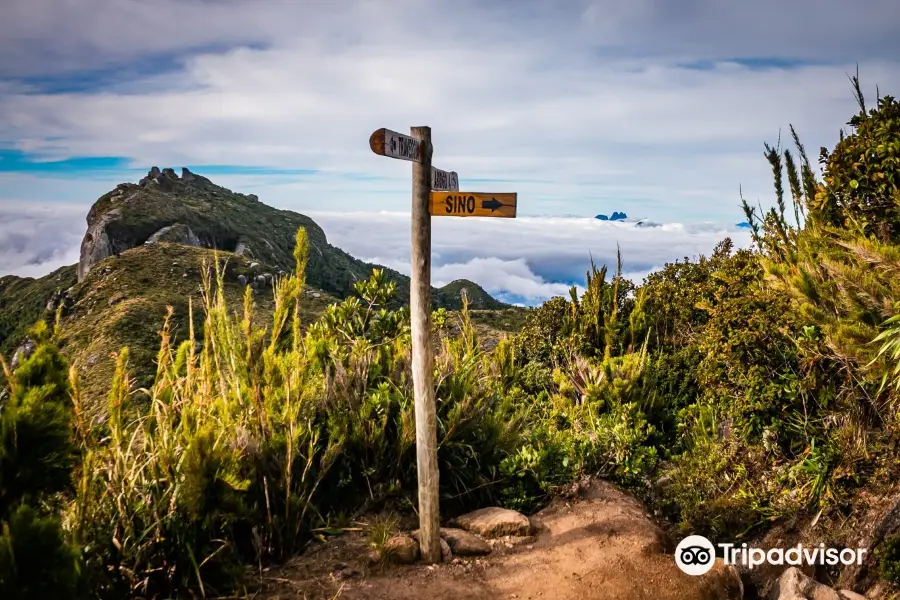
473 204
395 145
444 181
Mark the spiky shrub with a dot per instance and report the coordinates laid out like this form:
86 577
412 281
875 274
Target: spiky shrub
255 435
222 467
37 454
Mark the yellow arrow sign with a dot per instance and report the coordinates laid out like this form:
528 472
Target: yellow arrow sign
472 204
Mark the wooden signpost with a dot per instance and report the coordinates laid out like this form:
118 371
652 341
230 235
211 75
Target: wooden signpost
444 181
472 204
447 200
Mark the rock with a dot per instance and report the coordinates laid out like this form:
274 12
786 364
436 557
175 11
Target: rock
260 280
446 552
243 249
176 234
316 295
495 522
725 580
795 585
402 549
169 173
659 543
186 175
254 265
242 279
850 595
154 172
342 572
883 528
23 352
115 299
463 543
253 197
96 244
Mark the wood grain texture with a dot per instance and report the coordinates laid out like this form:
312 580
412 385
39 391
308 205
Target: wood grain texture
395 145
473 204
422 357
445 181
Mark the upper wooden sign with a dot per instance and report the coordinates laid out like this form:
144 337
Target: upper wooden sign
395 145
444 181
473 204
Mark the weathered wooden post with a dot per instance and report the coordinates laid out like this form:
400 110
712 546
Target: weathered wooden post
422 353
447 201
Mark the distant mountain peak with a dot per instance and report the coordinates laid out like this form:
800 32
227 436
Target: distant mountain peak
191 210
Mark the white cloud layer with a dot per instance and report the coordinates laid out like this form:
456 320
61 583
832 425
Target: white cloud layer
531 258
527 259
39 239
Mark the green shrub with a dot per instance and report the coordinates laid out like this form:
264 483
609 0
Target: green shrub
37 454
36 562
888 555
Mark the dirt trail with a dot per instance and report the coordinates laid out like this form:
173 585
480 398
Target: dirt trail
600 546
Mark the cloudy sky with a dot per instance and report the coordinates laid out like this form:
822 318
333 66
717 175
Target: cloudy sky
655 108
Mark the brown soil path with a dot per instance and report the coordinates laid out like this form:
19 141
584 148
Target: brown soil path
601 546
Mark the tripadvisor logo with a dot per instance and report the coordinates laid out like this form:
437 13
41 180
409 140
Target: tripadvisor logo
695 555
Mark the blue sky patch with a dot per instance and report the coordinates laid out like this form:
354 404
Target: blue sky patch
14 161
756 63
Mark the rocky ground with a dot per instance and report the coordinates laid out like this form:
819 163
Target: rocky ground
600 545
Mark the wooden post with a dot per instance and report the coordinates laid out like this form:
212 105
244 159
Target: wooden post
422 353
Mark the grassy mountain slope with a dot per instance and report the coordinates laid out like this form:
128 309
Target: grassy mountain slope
129 215
119 293
23 301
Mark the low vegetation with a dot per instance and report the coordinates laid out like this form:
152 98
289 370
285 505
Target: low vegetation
732 391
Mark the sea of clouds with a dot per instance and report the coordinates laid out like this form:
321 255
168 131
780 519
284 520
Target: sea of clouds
528 259
524 260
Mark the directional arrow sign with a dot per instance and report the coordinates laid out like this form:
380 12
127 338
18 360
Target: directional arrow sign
395 145
444 181
472 204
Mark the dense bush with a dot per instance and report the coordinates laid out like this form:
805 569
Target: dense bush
254 436
37 454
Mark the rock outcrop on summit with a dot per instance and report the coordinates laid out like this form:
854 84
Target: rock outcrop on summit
192 210
189 209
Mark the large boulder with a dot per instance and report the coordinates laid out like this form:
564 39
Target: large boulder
494 522
723 581
402 549
460 542
795 585
96 244
463 543
872 534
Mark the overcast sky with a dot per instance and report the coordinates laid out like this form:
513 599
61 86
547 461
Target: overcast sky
651 107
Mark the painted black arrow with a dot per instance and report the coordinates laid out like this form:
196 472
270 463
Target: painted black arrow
493 204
